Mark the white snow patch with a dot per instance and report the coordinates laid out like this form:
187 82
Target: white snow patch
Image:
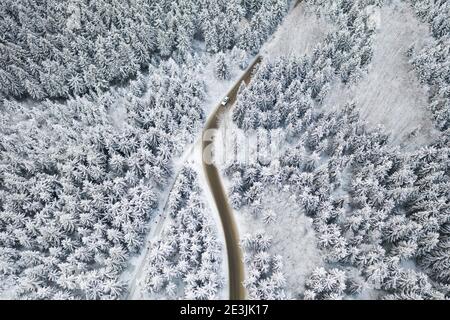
299 33
293 237
8 286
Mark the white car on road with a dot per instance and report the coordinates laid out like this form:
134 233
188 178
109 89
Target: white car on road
225 101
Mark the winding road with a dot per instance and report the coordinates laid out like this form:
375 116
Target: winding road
236 270
234 253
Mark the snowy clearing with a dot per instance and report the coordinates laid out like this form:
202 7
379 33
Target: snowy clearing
390 94
293 237
298 34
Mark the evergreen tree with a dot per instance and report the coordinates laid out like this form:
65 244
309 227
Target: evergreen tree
222 69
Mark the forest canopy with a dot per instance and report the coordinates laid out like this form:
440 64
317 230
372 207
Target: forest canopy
58 49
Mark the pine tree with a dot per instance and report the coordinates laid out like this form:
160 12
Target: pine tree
222 69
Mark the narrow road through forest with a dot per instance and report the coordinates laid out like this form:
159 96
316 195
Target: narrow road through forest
236 270
236 274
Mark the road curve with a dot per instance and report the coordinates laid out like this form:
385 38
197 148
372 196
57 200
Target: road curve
236 269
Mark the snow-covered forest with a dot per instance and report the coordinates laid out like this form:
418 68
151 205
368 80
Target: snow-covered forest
58 49
78 184
432 62
265 280
97 100
103 194
186 261
380 212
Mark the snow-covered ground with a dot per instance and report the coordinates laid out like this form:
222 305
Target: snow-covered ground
292 233
7 288
293 237
298 34
390 94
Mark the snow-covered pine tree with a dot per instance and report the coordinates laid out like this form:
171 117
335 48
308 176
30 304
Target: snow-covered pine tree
222 68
